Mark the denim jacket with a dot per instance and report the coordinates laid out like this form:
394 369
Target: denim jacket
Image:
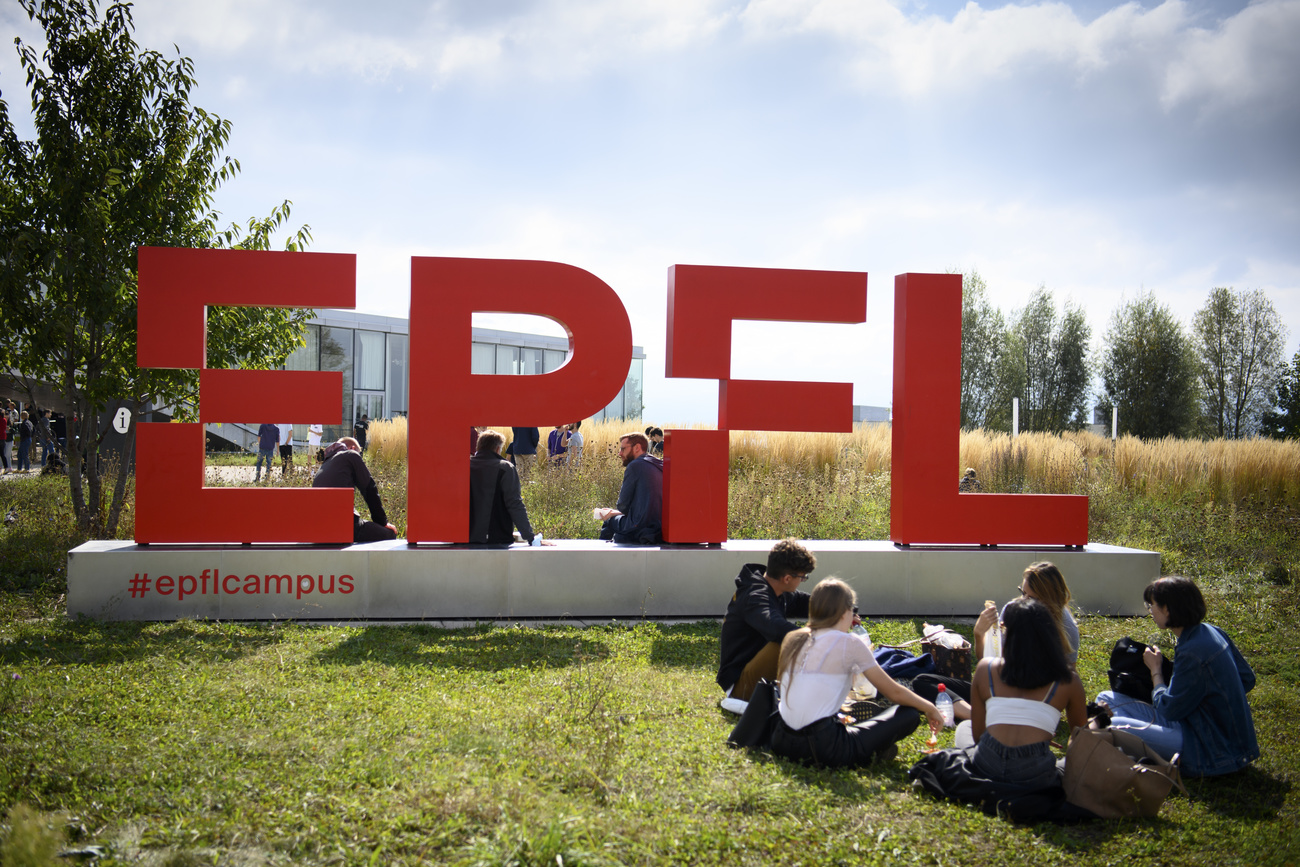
1207 695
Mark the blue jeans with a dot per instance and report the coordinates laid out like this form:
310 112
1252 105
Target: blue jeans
24 455
1032 765
1142 719
264 454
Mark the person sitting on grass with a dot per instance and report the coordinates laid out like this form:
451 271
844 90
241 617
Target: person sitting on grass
759 617
1017 700
1202 713
816 670
1042 581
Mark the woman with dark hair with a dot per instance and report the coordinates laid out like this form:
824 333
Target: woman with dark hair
1202 713
816 669
1017 700
1042 581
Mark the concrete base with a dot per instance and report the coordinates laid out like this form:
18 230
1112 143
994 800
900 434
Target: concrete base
587 580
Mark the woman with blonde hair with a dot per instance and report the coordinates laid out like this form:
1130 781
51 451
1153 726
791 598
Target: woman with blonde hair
1041 581
816 669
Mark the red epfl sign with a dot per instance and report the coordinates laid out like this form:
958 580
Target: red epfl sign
176 285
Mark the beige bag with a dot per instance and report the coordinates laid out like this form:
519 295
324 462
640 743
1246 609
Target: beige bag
1115 774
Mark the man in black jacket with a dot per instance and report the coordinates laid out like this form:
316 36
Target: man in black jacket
342 467
758 617
495 504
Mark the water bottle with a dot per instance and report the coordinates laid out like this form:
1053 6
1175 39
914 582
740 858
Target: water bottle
862 687
944 703
993 643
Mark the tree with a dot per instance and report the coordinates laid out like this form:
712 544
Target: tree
1149 370
1239 338
1046 365
1282 420
121 159
983 339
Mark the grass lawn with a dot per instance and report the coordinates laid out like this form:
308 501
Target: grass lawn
212 743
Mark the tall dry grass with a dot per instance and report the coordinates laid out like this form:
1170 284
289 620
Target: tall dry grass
1070 463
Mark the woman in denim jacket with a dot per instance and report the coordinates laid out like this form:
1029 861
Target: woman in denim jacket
1202 713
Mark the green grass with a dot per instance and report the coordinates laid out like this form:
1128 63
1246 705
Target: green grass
215 743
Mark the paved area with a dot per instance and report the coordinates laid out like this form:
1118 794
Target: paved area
245 475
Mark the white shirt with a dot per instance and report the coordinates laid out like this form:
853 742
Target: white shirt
314 434
822 674
286 434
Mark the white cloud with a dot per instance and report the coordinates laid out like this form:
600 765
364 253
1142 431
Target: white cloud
1250 57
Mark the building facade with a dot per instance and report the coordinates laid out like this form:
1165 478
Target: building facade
373 354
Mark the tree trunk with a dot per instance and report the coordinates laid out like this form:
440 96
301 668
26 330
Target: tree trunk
123 470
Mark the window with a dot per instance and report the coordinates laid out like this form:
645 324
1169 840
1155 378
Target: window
397 378
483 359
369 368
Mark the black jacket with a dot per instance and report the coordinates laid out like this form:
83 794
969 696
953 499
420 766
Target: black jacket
346 469
495 504
755 616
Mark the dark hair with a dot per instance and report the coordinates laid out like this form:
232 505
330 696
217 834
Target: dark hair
490 441
577 424
1180 597
789 557
1032 655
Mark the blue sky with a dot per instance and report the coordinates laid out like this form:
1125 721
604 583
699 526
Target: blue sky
1099 150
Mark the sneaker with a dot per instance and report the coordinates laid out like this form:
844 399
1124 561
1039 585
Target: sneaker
733 705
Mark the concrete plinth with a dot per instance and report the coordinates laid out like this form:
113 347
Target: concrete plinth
588 580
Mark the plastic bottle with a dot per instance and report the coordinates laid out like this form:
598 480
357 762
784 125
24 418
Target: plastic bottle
993 643
944 703
862 687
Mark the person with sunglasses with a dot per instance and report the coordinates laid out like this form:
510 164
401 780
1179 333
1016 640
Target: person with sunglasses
816 669
1041 581
759 616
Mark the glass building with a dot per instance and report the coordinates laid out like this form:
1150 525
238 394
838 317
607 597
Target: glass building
373 354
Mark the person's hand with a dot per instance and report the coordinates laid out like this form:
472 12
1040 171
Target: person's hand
606 514
1154 659
391 527
987 620
547 543
936 719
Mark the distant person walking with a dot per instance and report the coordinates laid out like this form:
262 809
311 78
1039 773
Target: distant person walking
361 430
268 436
4 438
314 433
25 434
286 448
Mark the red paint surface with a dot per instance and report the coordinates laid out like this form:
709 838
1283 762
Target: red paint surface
703 301
176 287
446 398
925 507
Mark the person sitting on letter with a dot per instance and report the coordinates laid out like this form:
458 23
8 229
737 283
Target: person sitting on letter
638 517
342 467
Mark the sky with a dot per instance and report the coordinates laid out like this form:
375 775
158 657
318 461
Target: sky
1098 150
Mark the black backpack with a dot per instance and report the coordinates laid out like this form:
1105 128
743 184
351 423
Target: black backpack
759 719
1128 674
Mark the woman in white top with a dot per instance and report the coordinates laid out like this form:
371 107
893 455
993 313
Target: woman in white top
816 669
1016 701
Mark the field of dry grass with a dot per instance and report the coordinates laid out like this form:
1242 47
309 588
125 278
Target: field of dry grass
1217 470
